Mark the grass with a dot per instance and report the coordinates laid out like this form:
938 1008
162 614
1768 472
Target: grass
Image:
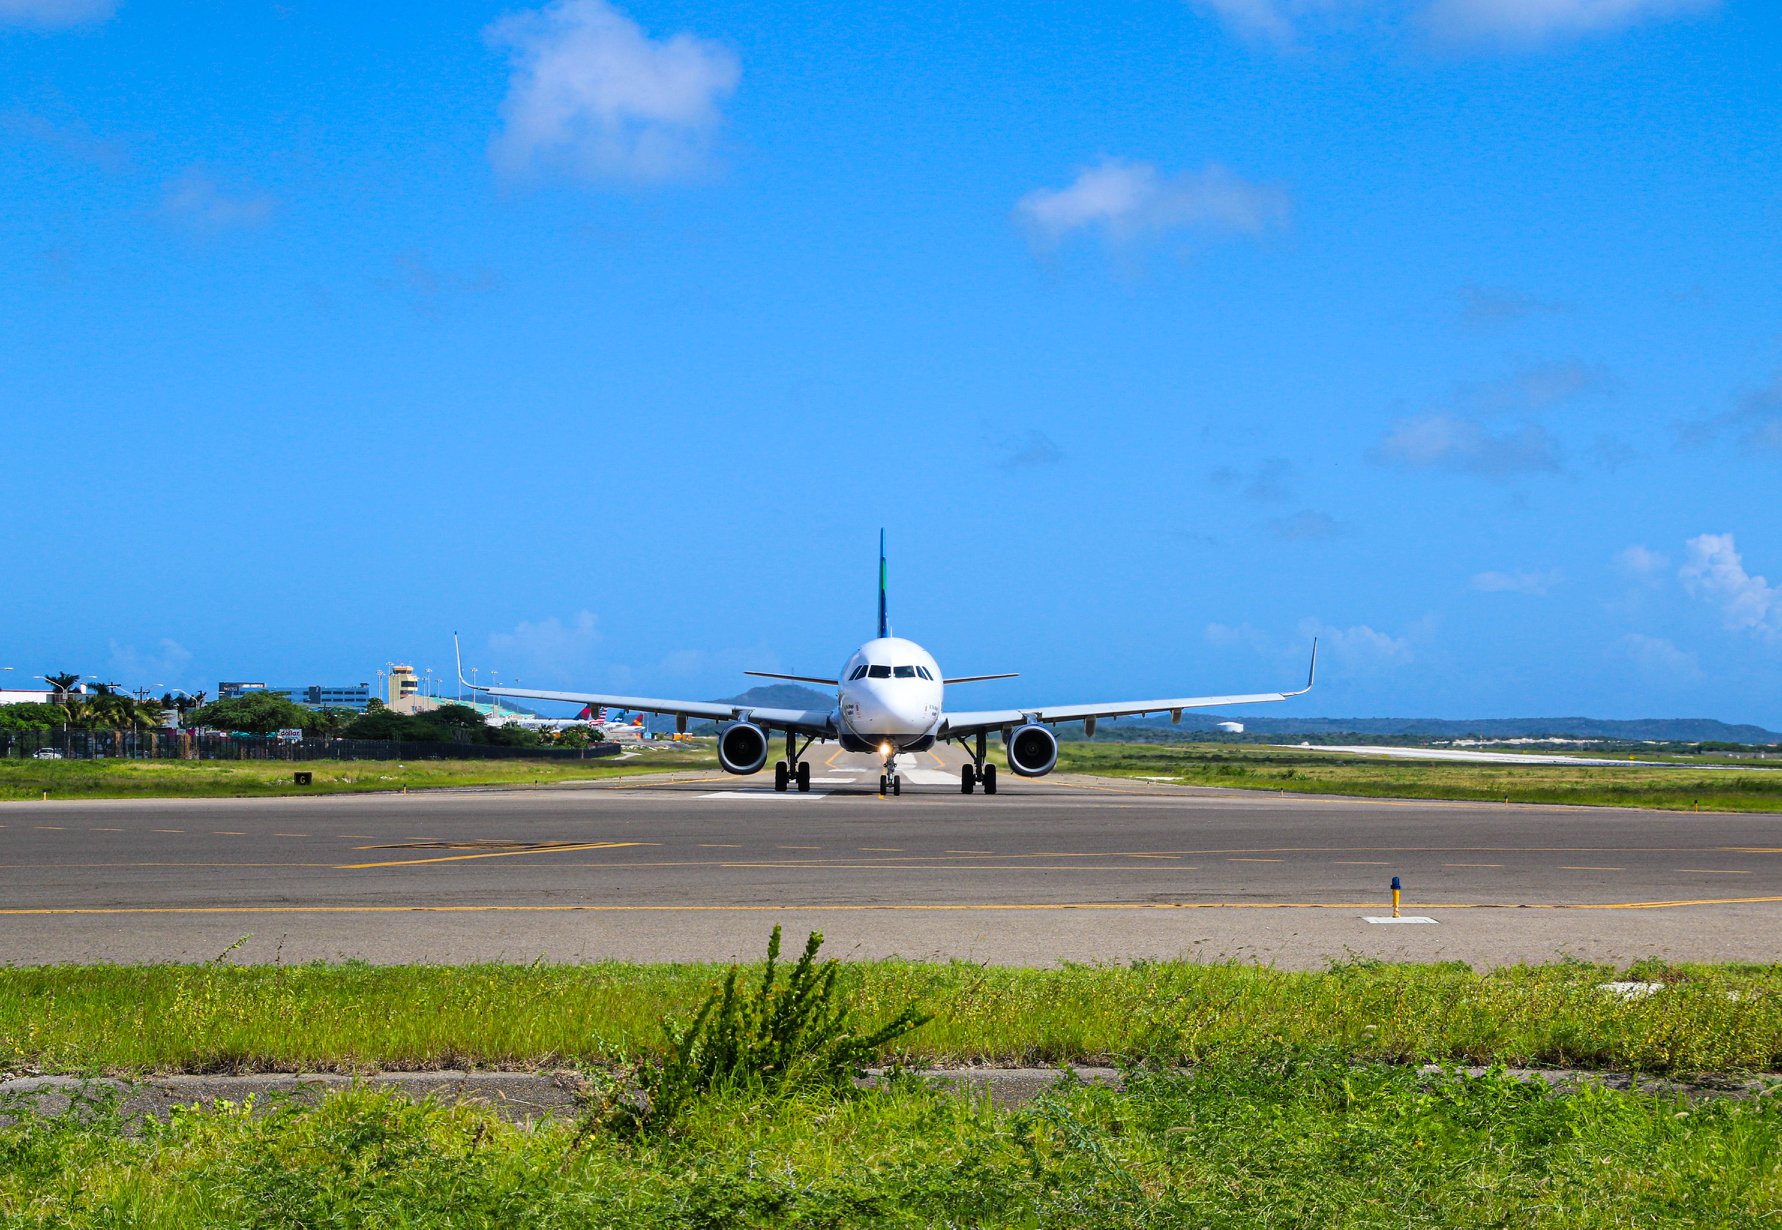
1249 767
141 779
355 1017
1293 1137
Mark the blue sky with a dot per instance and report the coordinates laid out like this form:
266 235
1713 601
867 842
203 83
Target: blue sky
1161 337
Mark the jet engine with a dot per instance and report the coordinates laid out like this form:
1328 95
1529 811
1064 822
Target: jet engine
1033 750
742 748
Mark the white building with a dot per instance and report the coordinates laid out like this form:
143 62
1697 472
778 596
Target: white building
26 696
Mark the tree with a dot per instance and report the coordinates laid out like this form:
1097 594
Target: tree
329 722
259 713
31 717
62 681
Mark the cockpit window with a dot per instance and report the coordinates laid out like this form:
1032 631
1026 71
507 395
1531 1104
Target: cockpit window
878 672
923 671
859 673
905 672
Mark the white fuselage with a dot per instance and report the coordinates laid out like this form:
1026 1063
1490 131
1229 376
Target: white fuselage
889 694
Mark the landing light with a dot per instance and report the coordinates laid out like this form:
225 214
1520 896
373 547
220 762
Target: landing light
884 749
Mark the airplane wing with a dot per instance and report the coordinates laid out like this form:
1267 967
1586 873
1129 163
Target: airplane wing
960 724
816 722
803 721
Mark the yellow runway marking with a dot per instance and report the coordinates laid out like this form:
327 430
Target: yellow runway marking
290 834
226 833
458 858
718 845
881 849
91 829
49 828
166 830
798 847
968 852
1255 860
1031 907
1153 856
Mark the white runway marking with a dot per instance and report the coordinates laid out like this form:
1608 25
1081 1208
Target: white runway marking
834 781
930 777
765 793
1408 918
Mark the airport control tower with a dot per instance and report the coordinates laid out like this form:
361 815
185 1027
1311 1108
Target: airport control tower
404 684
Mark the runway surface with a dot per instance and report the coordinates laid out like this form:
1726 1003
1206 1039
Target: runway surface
1058 869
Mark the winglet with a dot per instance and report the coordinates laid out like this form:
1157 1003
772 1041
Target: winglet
1311 674
458 654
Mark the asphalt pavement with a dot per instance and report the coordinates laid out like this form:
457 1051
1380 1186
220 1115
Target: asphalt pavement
1060 869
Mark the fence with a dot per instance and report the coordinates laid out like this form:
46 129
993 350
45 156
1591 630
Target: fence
187 745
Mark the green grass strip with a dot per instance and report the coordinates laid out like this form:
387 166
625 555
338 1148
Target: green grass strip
1249 767
136 1019
187 779
1288 1139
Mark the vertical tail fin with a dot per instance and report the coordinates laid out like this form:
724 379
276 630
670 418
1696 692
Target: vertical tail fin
884 619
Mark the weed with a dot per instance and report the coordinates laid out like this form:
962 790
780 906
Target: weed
770 1038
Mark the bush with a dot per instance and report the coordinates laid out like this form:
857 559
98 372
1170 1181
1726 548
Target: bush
774 1038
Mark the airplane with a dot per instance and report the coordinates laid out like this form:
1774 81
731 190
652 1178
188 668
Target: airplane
889 701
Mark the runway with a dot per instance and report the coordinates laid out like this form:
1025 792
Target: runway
1059 869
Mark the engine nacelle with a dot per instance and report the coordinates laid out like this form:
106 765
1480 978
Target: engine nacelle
742 748
1033 750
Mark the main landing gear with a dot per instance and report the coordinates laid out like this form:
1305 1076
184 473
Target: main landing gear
978 771
792 768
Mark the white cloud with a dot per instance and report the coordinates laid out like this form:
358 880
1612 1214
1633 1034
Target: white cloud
1517 582
1642 562
1463 445
1755 422
594 97
197 201
160 668
1658 658
70 137
1502 305
50 14
1489 23
1241 636
1714 572
1539 386
1129 201
1534 22
1358 646
1030 452
547 645
1305 526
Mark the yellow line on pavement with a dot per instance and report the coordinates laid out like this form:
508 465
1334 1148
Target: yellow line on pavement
458 858
1029 907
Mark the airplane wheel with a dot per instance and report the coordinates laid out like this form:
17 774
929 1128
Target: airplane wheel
966 779
804 777
897 785
989 779
779 776
884 784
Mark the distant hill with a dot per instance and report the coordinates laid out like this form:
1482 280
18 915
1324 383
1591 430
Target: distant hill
1662 730
768 696
1198 723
